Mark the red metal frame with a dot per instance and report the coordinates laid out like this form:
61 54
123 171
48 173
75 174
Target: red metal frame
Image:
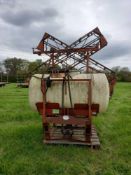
85 110
89 43
78 52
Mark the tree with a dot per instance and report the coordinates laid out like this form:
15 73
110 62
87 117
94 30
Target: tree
123 74
116 69
13 65
36 66
1 69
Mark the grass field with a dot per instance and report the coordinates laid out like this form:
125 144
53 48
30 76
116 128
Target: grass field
22 151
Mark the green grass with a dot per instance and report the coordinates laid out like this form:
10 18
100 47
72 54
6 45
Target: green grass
23 153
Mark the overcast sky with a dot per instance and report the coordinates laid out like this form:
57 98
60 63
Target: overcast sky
23 23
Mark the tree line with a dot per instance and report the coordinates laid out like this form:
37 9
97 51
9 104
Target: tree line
123 74
17 69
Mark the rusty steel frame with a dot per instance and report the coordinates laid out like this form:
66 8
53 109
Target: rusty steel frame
46 46
92 46
78 52
51 122
62 47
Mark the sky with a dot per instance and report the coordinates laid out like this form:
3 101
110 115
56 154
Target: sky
23 23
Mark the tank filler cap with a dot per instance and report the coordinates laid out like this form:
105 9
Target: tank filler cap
66 117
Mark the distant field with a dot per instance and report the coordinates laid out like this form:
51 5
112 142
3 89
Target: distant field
22 151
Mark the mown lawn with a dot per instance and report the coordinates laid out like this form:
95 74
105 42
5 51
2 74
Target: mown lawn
23 153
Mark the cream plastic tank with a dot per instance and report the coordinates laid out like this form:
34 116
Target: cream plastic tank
79 91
